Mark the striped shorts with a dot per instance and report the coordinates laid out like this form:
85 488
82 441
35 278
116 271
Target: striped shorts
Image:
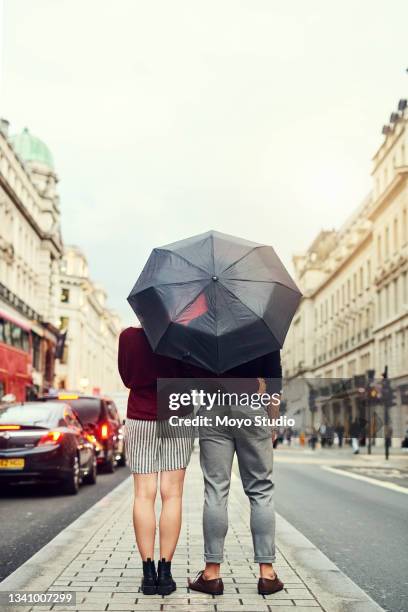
153 446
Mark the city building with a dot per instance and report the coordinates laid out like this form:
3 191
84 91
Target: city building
55 328
30 251
90 330
353 317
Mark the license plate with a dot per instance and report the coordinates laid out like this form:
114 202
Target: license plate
11 464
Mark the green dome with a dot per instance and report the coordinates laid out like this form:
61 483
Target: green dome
31 148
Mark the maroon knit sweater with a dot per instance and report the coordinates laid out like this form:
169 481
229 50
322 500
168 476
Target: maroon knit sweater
139 369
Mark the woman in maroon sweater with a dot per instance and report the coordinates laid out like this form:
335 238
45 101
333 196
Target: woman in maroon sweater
150 452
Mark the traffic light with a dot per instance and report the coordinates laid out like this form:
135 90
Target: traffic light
372 394
312 400
388 393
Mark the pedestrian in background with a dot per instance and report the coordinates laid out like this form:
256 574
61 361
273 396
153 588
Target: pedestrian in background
355 432
340 433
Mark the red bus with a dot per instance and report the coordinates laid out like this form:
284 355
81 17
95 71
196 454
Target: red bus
15 357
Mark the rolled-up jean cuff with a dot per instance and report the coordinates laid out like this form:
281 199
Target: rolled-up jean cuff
265 559
213 559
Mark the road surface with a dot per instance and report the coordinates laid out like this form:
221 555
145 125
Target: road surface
361 527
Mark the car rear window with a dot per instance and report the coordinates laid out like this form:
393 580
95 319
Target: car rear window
37 415
88 409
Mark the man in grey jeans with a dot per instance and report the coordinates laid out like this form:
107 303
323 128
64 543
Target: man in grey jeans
253 446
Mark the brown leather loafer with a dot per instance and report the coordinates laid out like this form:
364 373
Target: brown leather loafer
211 587
266 586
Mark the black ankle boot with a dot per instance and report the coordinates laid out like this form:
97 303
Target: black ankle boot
165 582
149 580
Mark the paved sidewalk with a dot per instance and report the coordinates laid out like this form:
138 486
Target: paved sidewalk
96 557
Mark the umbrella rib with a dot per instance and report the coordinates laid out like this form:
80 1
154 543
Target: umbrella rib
251 280
184 258
234 263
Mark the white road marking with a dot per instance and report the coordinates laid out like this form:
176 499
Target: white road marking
379 483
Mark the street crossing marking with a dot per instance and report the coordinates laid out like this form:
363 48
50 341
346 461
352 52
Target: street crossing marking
379 483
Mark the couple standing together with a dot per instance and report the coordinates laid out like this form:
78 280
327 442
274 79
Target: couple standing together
160 462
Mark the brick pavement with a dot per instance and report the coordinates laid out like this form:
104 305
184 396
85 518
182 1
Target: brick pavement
106 572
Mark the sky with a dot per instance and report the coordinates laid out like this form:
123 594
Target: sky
257 118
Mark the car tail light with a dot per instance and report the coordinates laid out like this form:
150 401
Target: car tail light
104 429
51 437
9 427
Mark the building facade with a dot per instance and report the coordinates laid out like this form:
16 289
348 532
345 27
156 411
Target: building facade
89 358
354 314
30 251
55 328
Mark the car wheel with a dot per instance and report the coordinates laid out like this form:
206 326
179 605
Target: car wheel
110 464
71 484
90 478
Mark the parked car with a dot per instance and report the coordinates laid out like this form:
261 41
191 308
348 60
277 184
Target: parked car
101 420
45 441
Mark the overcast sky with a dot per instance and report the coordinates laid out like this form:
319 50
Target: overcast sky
167 118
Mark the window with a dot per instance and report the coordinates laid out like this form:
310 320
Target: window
16 339
112 412
395 283
64 296
405 289
387 301
368 273
396 237
379 250
387 243
361 280
36 351
404 226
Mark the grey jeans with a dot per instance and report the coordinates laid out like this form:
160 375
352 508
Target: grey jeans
254 450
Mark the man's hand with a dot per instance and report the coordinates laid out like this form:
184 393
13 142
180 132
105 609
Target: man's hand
273 413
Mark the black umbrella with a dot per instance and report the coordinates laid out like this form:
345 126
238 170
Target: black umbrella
215 300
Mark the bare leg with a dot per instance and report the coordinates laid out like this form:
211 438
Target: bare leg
171 491
144 519
266 571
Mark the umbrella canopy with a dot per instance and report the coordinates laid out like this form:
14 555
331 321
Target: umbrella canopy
215 300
